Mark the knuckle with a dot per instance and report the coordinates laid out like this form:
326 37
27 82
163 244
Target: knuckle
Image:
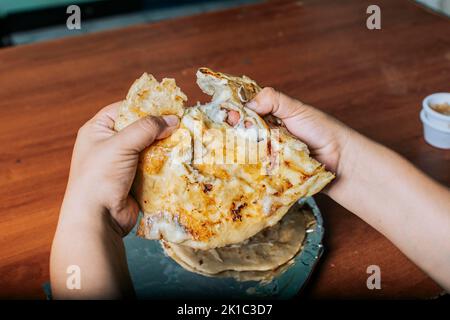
115 204
83 129
269 92
271 98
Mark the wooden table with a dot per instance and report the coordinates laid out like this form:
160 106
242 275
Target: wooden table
318 51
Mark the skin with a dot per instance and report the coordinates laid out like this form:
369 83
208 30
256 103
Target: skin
415 214
95 217
97 210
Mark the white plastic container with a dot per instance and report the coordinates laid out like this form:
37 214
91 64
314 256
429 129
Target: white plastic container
436 125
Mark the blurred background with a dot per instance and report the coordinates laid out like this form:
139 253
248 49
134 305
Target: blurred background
27 21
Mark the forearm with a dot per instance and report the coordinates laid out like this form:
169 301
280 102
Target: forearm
87 238
398 200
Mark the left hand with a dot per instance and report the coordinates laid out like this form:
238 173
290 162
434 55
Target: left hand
104 162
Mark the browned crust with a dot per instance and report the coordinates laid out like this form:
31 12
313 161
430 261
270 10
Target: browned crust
244 89
201 230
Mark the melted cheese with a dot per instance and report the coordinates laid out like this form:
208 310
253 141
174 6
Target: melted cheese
198 189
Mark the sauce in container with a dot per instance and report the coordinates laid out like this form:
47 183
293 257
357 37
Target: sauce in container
443 108
435 116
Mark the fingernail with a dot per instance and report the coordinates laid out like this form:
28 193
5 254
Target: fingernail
171 120
251 105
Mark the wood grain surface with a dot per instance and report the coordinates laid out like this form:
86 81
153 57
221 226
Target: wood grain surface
318 51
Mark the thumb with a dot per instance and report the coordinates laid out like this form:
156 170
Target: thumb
270 101
141 133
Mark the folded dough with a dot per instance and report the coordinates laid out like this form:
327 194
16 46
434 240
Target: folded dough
261 257
200 187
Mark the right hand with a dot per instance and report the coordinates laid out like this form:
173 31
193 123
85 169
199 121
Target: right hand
325 136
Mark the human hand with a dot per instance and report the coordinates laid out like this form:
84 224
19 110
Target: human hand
325 136
104 163
373 182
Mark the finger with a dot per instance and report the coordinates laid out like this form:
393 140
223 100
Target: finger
233 117
140 134
270 101
108 115
172 123
127 216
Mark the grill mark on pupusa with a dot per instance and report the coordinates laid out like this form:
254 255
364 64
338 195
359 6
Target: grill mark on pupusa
214 205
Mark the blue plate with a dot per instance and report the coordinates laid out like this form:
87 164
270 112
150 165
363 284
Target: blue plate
155 276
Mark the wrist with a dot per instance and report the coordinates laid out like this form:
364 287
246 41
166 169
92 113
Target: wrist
348 151
87 189
81 214
81 209
346 141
